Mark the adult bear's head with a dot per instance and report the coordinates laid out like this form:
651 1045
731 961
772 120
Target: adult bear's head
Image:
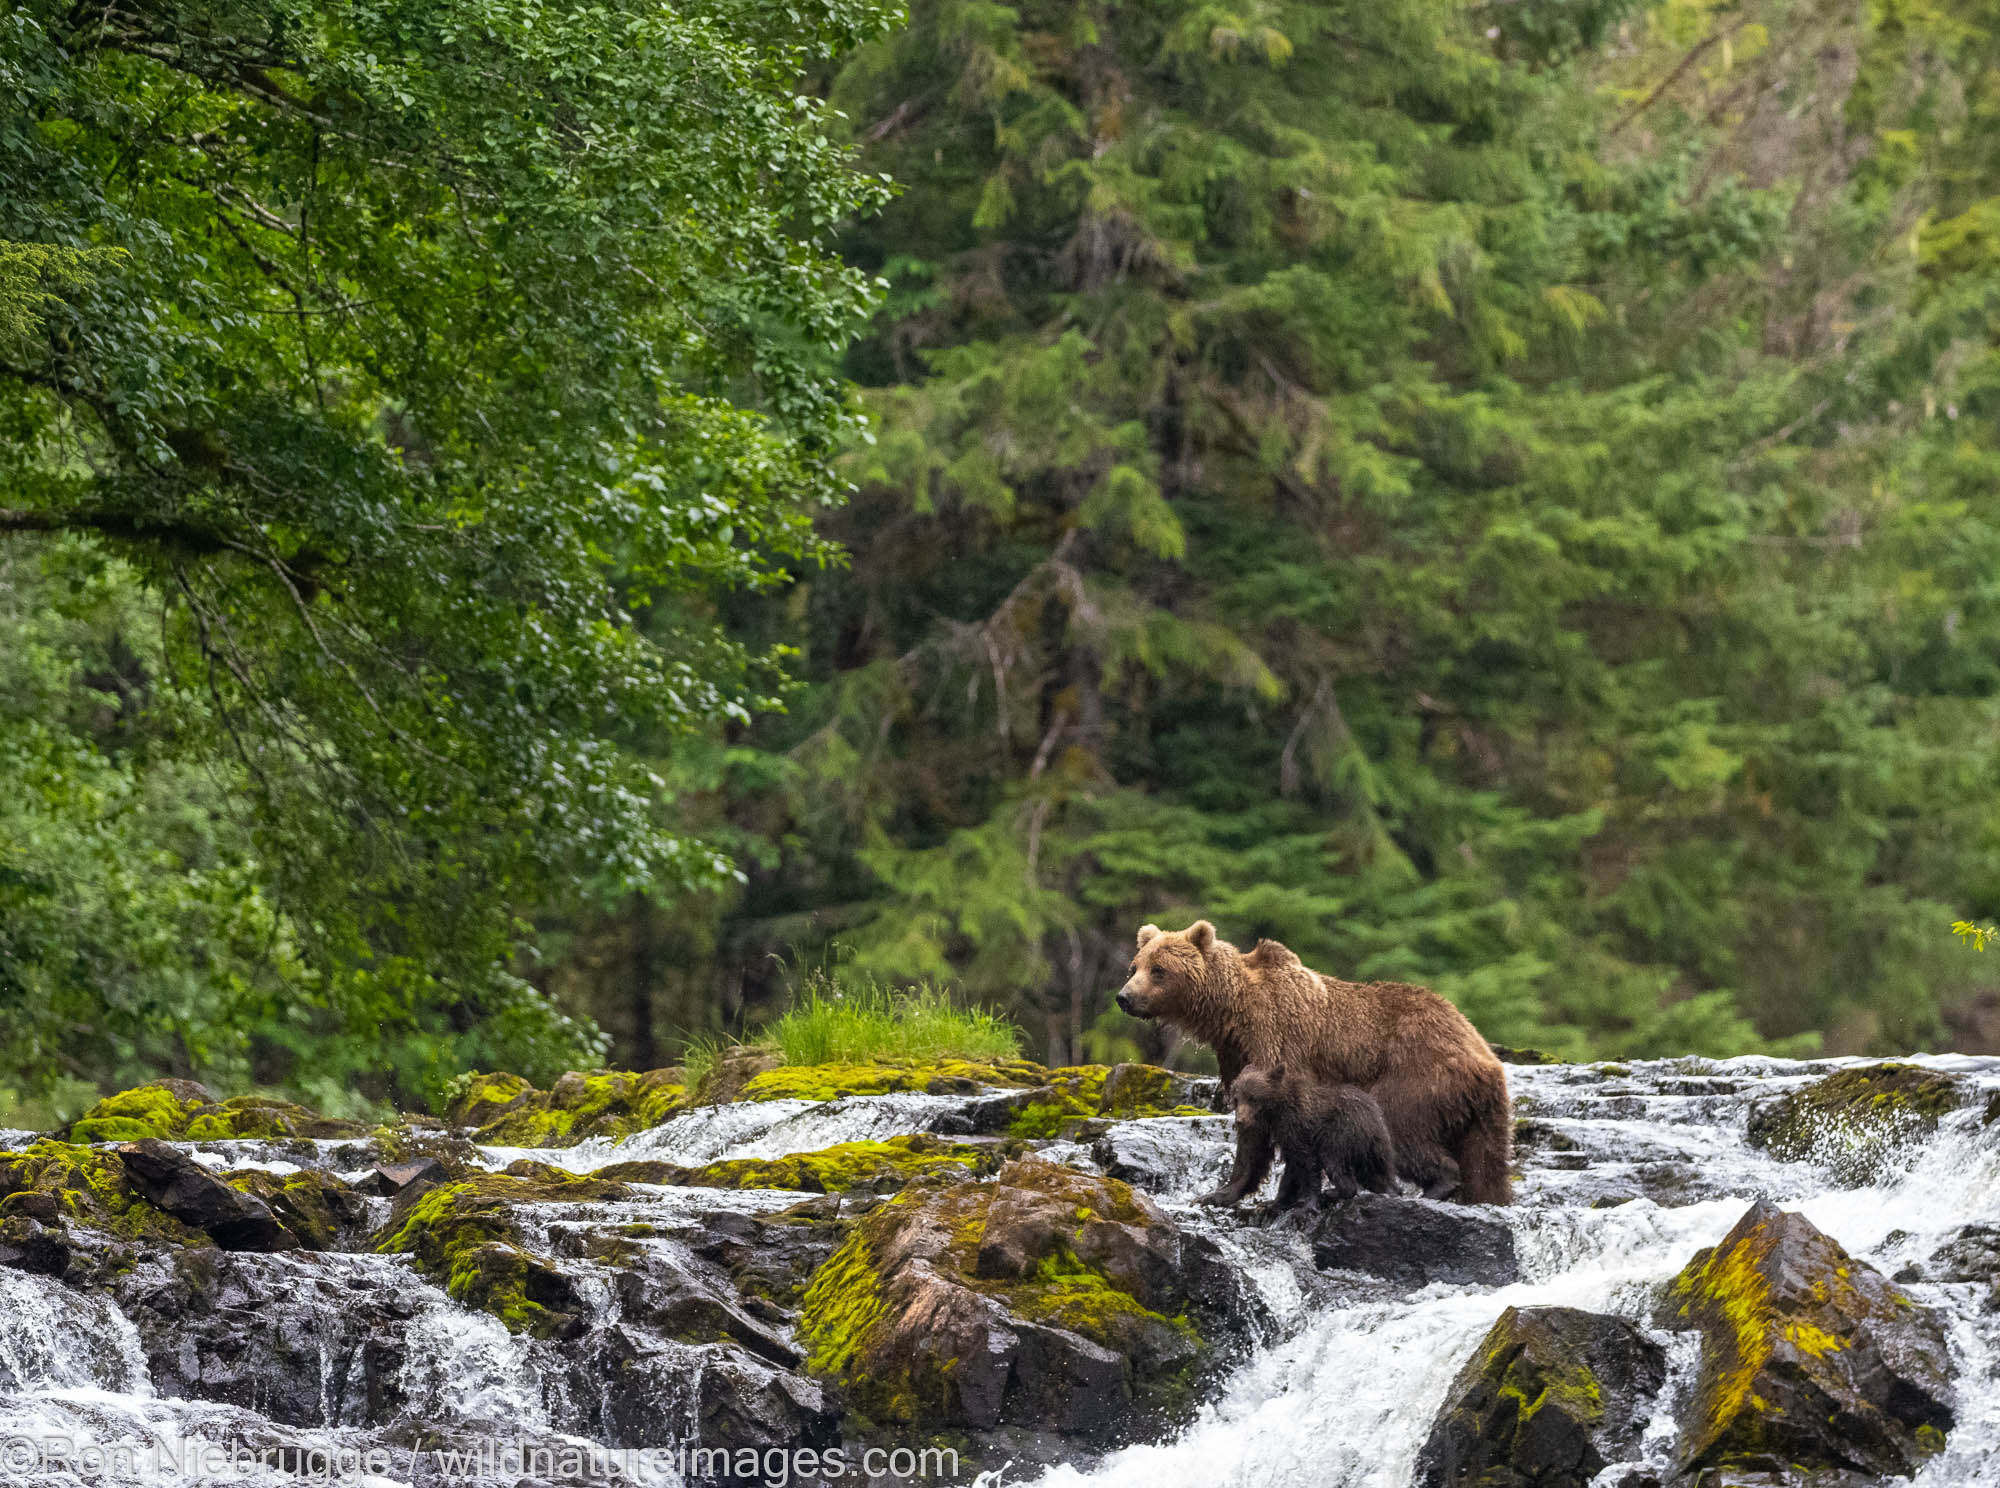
1170 972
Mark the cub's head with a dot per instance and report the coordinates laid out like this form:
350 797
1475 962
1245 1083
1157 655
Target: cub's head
1256 1093
1170 967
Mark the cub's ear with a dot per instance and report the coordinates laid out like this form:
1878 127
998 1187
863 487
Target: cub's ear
1201 935
1277 1074
1146 935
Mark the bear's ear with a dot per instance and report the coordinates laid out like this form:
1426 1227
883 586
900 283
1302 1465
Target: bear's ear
1277 1074
1146 935
1201 935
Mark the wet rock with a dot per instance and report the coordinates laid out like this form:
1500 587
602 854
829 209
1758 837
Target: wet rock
386 1180
1167 1157
1414 1242
656 1291
323 1212
1971 1254
772 1259
508 1111
868 1167
470 1238
1856 1123
174 1182
1811 1359
1046 1298
1550 1397
297 1343
28 1244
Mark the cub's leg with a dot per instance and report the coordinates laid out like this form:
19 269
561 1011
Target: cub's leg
1254 1147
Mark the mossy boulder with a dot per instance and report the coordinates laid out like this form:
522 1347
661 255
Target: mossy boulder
62 1182
1856 1122
824 1082
180 1110
323 1212
173 1181
505 1110
1810 1359
469 1237
1044 1299
869 1167
1550 1397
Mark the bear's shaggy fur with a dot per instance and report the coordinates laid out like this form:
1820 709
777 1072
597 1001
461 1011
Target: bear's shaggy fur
1330 1132
1442 1090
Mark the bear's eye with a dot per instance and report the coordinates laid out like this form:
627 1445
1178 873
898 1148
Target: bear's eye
1159 973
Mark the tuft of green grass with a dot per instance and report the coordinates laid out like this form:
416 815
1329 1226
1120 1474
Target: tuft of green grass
833 1024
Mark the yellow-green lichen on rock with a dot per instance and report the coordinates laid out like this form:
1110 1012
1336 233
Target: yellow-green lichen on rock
505 1110
1856 1122
879 1167
1551 1396
924 1312
317 1207
1808 1355
89 1187
467 1236
825 1082
180 1110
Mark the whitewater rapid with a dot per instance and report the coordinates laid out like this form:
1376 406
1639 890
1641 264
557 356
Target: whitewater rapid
1629 1172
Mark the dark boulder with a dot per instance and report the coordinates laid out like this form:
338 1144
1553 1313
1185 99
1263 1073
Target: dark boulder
1550 1398
29 1244
286 1336
1856 1123
170 1180
1414 1242
386 1180
1810 1358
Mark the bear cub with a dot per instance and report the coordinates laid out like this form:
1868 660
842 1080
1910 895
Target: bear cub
1322 1130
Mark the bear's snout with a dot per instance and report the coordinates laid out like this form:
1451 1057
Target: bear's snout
1125 1001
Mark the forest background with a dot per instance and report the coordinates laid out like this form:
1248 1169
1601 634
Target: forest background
527 534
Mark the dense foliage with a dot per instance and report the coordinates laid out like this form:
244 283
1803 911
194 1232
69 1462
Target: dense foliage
1494 496
369 365
1499 495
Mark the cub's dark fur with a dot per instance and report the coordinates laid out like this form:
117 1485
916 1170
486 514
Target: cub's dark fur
1322 1130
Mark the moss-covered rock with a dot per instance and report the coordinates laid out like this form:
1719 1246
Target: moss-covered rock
1856 1122
505 1110
87 1186
1550 1396
1810 1358
1044 1298
873 1167
823 1082
468 1237
180 1110
323 1212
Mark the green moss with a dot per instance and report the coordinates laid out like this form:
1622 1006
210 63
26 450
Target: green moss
314 1206
507 1111
1856 1121
848 1165
89 1186
853 1315
133 1115
113 1129
823 1082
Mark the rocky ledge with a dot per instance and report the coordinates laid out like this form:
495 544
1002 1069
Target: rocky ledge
1003 1259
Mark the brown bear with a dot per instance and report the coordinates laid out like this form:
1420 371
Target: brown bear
1442 1090
1330 1132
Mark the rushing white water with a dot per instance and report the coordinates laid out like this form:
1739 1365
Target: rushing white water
1625 1174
